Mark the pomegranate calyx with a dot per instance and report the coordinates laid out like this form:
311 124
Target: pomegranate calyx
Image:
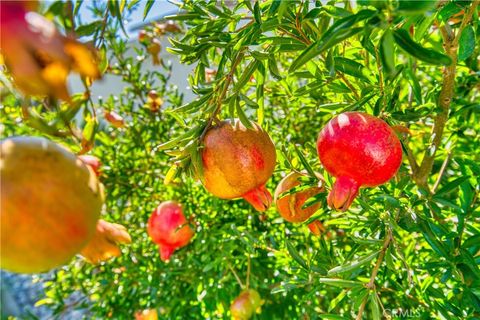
343 193
165 252
260 198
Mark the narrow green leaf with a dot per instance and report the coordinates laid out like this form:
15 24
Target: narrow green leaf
242 116
415 6
304 162
353 264
451 185
340 282
339 31
403 39
351 67
387 53
147 8
467 43
295 255
376 315
252 66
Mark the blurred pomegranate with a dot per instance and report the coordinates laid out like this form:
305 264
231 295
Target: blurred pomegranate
168 228
50 204
246 305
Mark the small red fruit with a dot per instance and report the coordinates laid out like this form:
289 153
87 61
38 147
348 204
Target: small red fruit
237 162
245 305
360 150
290 206
169 229
93 162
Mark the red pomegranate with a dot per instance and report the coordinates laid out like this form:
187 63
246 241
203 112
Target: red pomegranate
169 229
290 206
93 162
316 227
360 150
237 162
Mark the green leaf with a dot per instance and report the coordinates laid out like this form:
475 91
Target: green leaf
295 255
415 85
351 67
403 39
355 264
304 162
451 185
415 6
467 43
147 8
339 31
242 116
340 282
247 73
387 53
376 314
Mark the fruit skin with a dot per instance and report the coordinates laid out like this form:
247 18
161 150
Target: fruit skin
245 305
50 204
360 150
290 206
168 228
237 162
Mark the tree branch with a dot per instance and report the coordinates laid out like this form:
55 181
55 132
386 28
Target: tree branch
450 44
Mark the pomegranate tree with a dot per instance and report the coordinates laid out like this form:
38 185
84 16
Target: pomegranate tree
290 205
169 229
360 150
50 201
237 162
245 305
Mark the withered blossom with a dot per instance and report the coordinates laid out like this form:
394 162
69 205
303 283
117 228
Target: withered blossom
38 57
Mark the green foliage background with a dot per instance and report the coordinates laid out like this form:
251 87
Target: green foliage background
290 66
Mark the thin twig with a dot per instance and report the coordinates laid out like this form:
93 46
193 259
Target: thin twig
228 81
349 85
371 284
236 277
442 171
248 271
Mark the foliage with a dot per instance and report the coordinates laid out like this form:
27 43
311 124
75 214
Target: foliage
412 244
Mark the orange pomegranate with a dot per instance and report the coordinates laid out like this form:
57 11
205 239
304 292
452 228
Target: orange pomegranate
168 228
290 206
237 162
50 204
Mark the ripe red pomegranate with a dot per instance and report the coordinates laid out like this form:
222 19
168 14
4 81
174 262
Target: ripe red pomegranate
360 150
237 162
169 229
245 305
93 162
290 206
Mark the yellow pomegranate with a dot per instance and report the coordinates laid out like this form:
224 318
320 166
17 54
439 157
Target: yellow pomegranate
290 206
50 204
237 162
